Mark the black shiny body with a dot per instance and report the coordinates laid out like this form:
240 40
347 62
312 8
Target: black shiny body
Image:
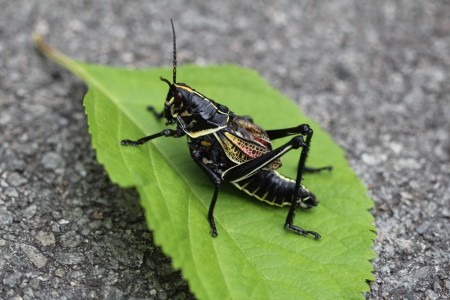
266 185
196 115
232 148
275 189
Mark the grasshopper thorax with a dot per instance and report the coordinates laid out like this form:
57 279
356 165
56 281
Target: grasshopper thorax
195 114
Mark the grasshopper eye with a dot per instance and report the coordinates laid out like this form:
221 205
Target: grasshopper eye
178 98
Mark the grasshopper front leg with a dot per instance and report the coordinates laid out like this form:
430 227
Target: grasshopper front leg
166 132
197 157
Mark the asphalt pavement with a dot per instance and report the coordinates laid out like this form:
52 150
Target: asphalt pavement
374 74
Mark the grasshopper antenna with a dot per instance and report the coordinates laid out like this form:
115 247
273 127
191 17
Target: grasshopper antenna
174 54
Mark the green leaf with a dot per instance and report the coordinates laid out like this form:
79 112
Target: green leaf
253 256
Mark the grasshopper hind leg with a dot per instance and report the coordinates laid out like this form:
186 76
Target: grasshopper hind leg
301 231
307 200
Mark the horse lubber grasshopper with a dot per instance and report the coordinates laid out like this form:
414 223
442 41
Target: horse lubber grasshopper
232 148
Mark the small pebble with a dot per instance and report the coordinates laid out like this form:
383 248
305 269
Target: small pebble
12 280
60 272
421 229
46 239
11 192
15 179
34 255
52 160
30 211
6 217
70 258
430 295
71 239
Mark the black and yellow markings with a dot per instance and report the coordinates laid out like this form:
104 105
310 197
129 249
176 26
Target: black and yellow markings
240 150
190 90
232 148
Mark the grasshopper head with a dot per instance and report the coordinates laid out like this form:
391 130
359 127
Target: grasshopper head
177 100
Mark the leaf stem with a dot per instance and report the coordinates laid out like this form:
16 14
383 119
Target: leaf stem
57 56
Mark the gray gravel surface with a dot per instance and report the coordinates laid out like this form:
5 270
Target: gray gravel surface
375 74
